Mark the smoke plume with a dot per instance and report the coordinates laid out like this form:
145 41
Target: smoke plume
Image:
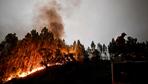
48 16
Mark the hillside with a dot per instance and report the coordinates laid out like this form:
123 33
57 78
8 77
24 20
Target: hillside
70 73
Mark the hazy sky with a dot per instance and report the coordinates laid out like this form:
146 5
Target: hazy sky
98 20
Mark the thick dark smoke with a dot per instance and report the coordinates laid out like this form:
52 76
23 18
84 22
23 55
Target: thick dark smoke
49 16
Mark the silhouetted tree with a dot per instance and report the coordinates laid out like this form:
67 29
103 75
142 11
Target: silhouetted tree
93 46
96 56
74 45
100 47
28 36
128 49
112 47
9 43
120 43
46 35
34 34
94 53
104 49
117 47
80 51
131 44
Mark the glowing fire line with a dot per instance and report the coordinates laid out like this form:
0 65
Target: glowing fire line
24 74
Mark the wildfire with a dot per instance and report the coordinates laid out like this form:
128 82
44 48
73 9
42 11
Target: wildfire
24 74
37 50
32 59
29 57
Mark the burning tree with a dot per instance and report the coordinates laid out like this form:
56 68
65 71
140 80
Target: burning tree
34 52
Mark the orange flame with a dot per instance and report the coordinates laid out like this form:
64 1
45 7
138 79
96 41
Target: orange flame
24 74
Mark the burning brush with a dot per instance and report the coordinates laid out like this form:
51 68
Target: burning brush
19 58
35 52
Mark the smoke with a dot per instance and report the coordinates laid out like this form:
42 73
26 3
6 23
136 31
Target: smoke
49 16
